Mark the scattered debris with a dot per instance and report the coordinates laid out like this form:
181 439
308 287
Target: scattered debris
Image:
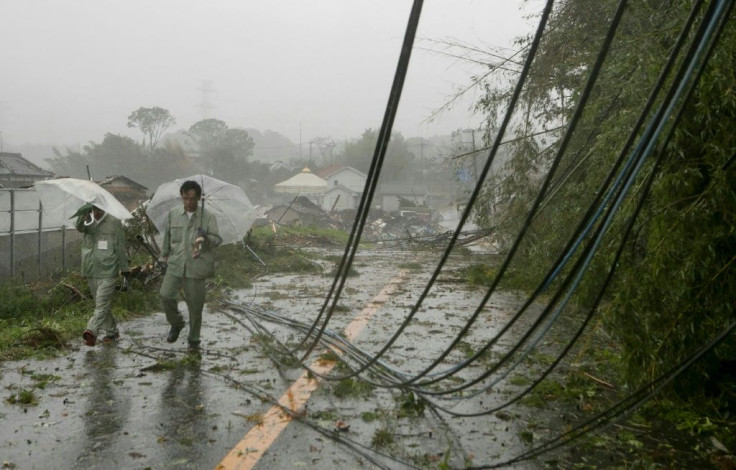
405 227
76 293
341 426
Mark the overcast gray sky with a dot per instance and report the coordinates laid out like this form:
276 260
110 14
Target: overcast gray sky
73 70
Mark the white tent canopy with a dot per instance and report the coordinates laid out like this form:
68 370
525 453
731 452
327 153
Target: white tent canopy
304 182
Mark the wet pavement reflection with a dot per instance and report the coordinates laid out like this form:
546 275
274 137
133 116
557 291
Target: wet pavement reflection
106 409
182 415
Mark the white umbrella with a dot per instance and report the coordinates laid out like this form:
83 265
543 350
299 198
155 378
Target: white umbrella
61 198
228 203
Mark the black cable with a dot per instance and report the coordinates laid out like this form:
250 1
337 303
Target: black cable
692 58
563 146
598 198
463 218
371 180
626 405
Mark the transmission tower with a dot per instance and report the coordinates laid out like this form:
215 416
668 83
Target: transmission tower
206 105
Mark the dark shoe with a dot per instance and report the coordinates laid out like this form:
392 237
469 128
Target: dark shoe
193 348
89 338
107 339
174 334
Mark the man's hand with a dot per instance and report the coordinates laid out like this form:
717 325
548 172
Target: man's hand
83 211
201 237
197 248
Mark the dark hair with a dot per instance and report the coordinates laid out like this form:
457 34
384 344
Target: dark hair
189 185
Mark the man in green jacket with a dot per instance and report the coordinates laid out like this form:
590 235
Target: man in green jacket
190 237
104 257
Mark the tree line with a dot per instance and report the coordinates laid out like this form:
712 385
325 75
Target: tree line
209 146
212 147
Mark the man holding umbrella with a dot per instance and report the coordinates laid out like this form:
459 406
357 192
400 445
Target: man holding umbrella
190 237
104 257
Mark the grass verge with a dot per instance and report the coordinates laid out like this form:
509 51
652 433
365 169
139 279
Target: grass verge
43 319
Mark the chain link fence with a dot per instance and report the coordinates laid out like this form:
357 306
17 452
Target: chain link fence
32 248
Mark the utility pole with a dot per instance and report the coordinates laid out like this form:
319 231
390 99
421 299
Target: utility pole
475 155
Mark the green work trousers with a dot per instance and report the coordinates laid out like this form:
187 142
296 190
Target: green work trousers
102 319
194 291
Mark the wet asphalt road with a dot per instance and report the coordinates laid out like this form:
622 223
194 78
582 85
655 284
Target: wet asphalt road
143 403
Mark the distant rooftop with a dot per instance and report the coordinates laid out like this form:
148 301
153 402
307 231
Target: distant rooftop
14 163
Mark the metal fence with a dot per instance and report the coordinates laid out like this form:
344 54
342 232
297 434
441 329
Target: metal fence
31 247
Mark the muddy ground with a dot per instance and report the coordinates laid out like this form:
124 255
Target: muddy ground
143 403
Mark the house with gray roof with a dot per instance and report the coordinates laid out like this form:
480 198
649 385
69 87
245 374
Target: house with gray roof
17 172
128 192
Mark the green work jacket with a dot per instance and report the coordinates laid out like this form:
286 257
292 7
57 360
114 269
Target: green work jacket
178 245
103 247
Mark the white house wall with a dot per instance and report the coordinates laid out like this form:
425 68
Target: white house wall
348 178
346 200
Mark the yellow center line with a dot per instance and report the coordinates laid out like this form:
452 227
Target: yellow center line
246 453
